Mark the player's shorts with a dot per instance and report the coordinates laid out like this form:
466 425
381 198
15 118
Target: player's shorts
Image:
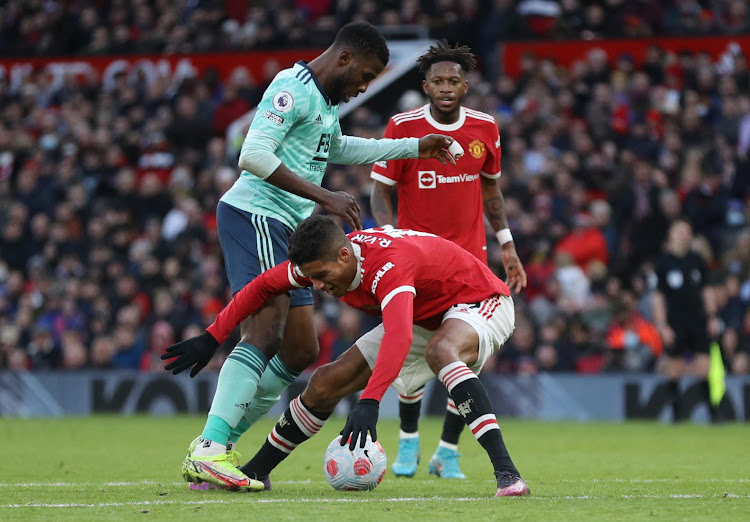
689 337
252 244
493 319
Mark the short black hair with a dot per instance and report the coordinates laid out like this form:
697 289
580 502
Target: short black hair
317 238
443 52
363 37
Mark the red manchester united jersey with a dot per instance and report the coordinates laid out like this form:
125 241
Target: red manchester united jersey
444 199
406 276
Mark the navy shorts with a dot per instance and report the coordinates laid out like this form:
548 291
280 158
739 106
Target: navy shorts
251 245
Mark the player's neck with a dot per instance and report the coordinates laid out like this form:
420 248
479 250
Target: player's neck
322 67
445 118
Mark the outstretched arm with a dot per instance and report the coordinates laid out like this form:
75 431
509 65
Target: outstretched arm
275 281
196 352
494 209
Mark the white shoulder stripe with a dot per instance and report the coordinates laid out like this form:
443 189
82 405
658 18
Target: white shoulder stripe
475 112
407 113
411 118
480 116
393 293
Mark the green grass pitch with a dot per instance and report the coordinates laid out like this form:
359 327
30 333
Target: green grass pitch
110 467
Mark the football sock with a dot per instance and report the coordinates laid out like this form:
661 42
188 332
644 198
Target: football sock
673 390
409 407
272 384
453 424
297 424
238 381
473 404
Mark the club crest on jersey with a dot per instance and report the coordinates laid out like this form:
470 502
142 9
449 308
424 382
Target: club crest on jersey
477 149
427 179
283 101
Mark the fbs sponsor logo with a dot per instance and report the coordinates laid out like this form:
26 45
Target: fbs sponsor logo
380 275
275 118
428 179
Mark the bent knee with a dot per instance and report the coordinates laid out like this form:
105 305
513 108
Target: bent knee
321 391
301 357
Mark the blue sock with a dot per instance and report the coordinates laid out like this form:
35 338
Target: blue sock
271 386
238 382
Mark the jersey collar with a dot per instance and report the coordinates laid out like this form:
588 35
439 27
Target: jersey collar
303 64
441 126
357 278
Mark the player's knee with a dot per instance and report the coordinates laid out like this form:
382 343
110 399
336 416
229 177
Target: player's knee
438 355
321 391
302 357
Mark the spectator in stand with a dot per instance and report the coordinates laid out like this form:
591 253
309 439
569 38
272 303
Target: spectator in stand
634 343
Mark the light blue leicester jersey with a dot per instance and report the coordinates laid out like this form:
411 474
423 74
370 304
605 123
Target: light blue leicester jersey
297 115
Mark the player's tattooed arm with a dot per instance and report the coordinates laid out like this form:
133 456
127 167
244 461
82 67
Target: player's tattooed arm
494 209
494 204
381 205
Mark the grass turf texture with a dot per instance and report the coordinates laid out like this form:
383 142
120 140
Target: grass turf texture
109 467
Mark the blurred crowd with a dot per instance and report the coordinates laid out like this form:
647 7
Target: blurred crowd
108 245
91 27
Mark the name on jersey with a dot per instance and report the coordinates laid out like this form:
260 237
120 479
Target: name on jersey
429 179
380 274
371 240
278 120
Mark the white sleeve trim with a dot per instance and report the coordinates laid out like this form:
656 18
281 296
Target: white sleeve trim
394 292
492 176
383 179
290 274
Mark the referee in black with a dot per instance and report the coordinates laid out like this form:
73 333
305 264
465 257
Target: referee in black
679 310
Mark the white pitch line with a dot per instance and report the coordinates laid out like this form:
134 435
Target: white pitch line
116 484
346 500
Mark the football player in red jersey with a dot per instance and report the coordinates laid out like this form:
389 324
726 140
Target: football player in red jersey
444 313
449 201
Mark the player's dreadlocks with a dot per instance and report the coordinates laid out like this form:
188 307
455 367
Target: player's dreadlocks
443 52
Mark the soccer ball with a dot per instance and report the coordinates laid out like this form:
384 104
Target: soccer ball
358 470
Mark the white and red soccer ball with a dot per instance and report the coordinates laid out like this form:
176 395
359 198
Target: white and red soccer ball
361 469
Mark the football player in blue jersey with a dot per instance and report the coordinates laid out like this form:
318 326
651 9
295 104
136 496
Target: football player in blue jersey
295 133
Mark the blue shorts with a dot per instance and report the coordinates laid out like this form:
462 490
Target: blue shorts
251 245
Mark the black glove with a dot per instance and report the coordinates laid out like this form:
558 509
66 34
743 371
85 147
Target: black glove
363 418
195 352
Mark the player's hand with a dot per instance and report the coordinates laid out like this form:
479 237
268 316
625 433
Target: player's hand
436 146
344 205
363 418
516 275
195 352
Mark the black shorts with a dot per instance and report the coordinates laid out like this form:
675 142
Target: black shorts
689 338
